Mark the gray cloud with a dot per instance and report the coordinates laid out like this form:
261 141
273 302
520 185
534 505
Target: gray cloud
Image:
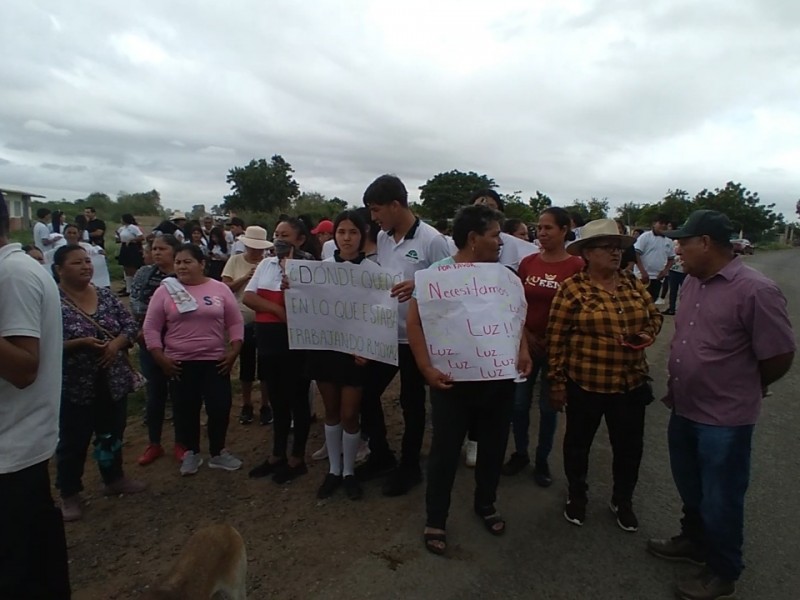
577 99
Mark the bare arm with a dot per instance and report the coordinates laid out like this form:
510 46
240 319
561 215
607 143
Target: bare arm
19 360
419 348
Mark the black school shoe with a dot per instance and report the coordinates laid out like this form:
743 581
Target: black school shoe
376 466
401 480
265 416
266 468
353 488
287 473
329 485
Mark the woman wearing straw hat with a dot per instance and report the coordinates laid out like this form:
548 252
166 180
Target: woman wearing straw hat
237 274
601 321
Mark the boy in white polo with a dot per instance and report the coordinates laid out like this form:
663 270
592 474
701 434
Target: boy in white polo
405 245
33 549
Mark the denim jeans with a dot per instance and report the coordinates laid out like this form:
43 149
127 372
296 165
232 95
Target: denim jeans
157 392
675 282
711 468
521 415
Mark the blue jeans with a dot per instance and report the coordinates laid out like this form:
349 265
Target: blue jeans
711 469
521 415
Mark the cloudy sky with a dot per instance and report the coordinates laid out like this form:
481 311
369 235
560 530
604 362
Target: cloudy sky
576 98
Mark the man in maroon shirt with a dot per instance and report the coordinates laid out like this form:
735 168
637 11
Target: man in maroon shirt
732 339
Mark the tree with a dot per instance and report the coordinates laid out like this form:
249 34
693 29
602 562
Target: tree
744 209
261 186
630 213
443 194
598 208
539 203
143 204
515 208
198 212
676 205
578 208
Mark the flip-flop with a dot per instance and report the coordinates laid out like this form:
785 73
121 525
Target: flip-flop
435 537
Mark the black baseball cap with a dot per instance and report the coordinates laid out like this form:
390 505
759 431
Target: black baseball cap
712 223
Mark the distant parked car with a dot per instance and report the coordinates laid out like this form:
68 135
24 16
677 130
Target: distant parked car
742 246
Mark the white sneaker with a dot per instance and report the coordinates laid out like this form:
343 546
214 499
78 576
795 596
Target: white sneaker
191 463
321 454
225 460
363 451
471 454
661 301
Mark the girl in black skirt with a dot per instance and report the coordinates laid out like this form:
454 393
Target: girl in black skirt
340 377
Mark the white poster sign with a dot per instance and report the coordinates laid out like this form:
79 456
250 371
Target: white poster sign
472 315
342 307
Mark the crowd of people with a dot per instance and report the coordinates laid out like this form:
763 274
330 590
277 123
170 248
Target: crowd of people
203 297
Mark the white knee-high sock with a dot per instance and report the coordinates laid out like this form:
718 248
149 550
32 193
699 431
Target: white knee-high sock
128 282
333 439
350 443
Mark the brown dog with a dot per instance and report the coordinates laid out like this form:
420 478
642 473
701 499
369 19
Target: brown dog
213 561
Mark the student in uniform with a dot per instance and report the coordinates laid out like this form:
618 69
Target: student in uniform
405 245
340 377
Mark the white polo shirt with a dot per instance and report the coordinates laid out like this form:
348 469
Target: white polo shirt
41 232
328 249
655 251
29 307
419 249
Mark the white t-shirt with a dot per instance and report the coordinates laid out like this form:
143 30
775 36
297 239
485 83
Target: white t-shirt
29 307
237 247
419 249
128 233
655 251
41 232
328 248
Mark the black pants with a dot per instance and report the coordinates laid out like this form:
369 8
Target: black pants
201 381
284 373
624 414
412 401
248 365
654 287
157 394
76 424
33 549
486 406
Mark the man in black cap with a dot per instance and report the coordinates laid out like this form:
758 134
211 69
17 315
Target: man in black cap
33 549
732 339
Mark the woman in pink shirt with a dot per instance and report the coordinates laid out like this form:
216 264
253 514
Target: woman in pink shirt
185 331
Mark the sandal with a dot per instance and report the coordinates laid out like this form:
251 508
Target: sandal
491 518
430 538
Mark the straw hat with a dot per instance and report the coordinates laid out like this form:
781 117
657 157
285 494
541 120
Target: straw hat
596 230
255 237
178 216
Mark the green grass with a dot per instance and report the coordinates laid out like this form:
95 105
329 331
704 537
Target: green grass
773 246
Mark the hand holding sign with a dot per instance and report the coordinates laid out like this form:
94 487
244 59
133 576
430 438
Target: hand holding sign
472 316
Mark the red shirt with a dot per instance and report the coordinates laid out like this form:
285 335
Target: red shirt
541 280
266 282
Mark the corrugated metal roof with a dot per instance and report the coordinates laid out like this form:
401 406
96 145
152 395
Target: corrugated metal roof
21 193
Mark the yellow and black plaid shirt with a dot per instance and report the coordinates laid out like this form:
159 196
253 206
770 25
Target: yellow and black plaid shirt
586 326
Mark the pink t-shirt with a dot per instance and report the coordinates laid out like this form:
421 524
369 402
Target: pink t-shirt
196 335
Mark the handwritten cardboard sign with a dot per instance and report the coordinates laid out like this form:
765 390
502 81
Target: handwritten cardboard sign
342 307
472 315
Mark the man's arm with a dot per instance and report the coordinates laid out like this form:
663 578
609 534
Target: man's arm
774 368
19 360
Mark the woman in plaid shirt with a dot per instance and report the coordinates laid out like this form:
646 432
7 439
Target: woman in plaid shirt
601 320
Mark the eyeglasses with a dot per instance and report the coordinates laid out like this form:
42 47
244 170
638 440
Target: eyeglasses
607 247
